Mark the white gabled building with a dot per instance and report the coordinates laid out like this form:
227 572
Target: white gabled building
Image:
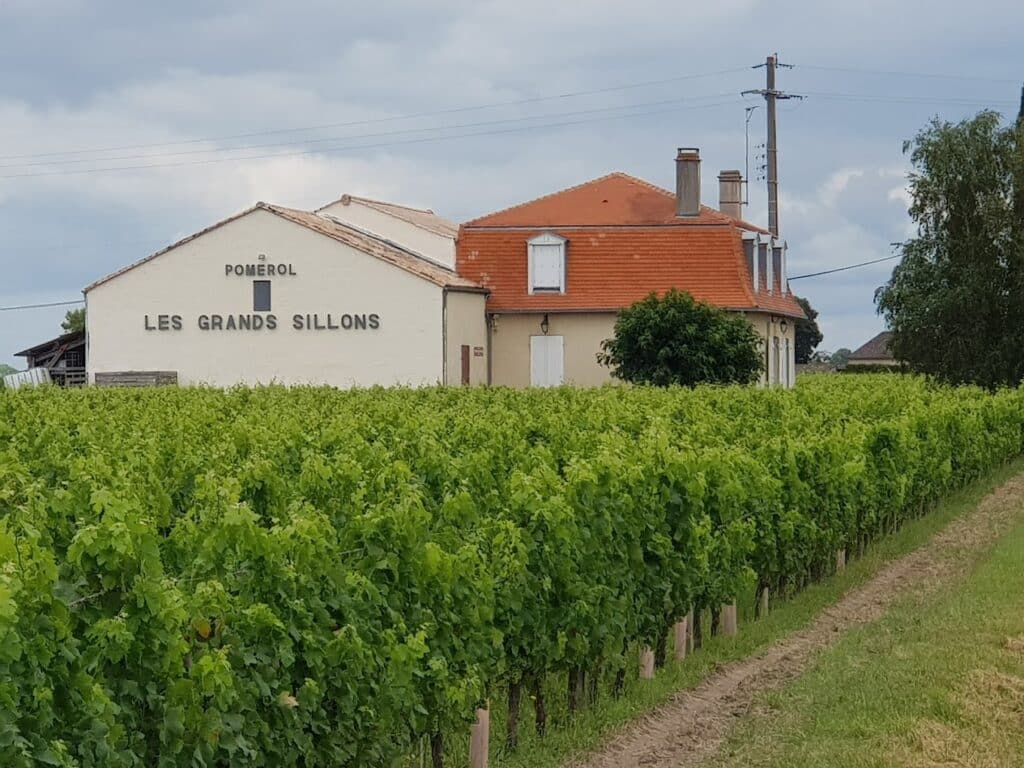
359 293
418 229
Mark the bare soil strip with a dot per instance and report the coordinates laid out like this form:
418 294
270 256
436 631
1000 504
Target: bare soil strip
690 727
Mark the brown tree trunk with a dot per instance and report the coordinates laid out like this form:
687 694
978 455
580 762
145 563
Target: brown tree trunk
620 682
515 694
437 750
577 688
540 712
661 650
698 627
762 601
715 616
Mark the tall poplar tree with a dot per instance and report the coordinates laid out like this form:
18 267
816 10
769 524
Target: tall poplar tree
955 303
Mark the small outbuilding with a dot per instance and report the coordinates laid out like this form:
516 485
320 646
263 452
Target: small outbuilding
63 357
874 353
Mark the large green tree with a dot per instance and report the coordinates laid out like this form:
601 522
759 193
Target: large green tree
808 334
677 340
955 303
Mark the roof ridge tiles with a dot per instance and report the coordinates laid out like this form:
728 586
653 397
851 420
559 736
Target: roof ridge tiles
549 195
539 210
374 201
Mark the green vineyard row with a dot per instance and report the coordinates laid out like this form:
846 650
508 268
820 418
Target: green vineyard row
311 577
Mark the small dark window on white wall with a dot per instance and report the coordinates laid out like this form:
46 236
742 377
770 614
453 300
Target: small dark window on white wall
261 295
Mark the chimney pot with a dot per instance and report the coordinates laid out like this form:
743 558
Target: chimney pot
688 181
730 193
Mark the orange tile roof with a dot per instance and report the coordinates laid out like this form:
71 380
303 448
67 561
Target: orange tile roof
625 241
617 199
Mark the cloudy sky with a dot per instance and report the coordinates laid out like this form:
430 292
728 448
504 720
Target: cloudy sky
125 126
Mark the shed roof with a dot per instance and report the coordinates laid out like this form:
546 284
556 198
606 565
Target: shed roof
66 340
424 218
875 349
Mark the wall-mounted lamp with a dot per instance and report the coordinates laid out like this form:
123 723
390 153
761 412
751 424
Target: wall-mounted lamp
783 325
544 325
494 321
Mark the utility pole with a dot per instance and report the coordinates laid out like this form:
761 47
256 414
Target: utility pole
771 96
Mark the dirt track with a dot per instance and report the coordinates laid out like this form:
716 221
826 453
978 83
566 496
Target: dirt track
690 727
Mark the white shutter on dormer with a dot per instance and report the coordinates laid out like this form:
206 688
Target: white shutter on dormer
546 254
547 267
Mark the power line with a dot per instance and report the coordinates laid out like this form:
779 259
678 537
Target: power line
477 107
892 73
345 148
902 99
371 121
105 245
843 269
790 279
397 132
797 277
40 306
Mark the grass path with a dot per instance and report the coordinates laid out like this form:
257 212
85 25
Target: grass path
691 726
939 681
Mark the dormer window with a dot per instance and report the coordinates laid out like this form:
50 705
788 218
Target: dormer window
546 263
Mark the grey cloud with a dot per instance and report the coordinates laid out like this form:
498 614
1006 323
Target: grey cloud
79 74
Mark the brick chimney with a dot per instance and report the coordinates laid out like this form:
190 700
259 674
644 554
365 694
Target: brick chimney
688 181
730 193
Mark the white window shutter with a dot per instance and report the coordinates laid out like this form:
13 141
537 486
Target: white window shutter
546 253
547 267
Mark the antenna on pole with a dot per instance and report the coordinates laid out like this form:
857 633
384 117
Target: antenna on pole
771 96
746 155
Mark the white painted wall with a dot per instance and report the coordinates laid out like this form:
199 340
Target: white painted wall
433 246
331 277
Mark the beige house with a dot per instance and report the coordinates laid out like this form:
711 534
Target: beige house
559 268
358 294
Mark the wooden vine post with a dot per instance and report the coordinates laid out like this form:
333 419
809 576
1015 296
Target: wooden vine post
840 559
646 663
762 606
681 639
479 739
728 623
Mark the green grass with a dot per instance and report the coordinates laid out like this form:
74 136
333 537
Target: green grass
572 735
939 680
